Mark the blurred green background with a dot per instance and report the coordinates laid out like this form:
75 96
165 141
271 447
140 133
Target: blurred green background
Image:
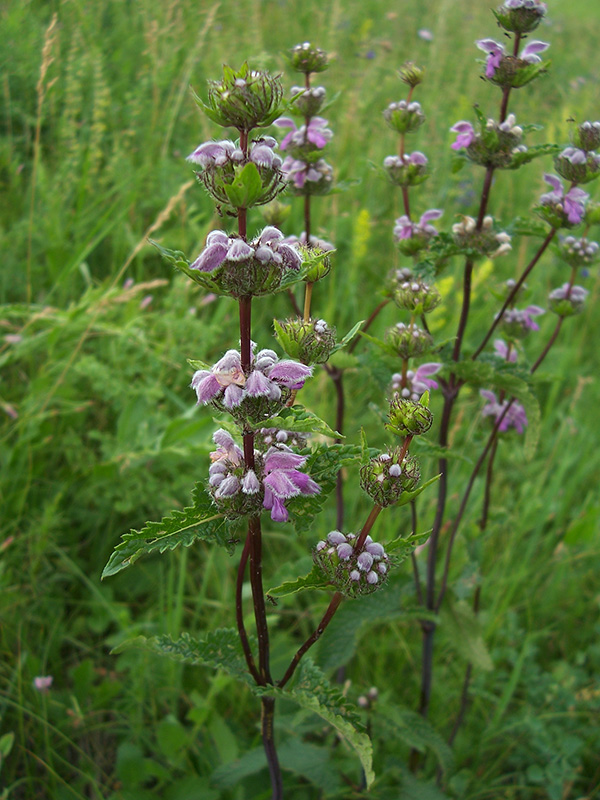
100 430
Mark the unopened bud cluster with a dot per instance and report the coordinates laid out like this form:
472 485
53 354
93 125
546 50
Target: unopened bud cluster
409 341
266 437
244 99
309 341
403 116
498 145
412 293
411 237
587 136
306 58
484 241
352 572
407 170
567 300
577 165
408 418
308 102
521 16
579 252
411 74
384 478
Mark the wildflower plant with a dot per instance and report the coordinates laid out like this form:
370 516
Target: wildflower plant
267 459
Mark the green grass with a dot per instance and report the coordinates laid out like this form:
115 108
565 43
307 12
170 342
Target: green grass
100 432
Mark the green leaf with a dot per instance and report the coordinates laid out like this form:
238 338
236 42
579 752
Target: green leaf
399 549
200 522
219 649
197 364
486 374
464 631
342 359
415 731
314 580
313 692
246 187
387 348
527 74
299 419
180 262
407 497
348 337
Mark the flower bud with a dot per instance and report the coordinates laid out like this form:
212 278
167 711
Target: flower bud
308 341
520 16
576 165
413 294
268 437
587 136
244 99
411 74
407 170
567 300
409 341
306 58
408 418
579 252
308 102
384 479
404 117
351 572
481 243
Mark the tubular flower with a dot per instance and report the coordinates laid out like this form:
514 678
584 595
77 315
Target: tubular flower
517 323
416 382
257 394
559 208
466 134
496 53
244 268
307 138
505 351
407 170
567 300
308 178
276 477
515 417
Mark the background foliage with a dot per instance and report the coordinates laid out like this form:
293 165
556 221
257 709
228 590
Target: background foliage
99 430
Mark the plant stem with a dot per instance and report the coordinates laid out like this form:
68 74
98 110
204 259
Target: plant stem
415 566
268 738
514 291
367 325
366 528
258 596
489 474
315 635
239 611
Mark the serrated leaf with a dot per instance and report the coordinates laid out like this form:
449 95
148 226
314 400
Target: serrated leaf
402 547
313 692
525 75
348 337
200 522
247 185
219 649
180 262
387 348
314 580
484 374
464 631
415 731
299 419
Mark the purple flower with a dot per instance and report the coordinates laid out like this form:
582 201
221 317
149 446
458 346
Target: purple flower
572 203
515 417
42 683
299 172
406 229
268 249
417 382
227 382
530 51
466 135
283 480
495 53
502 349
317 133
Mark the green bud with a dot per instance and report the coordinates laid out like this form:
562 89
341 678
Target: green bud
576 166
587 136
520 20
409 341
384 478
310 342
306 58
244 99
316 262
404 117
406 417
411 74
413 294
